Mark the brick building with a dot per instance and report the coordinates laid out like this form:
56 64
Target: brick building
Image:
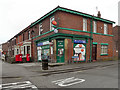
80 36
5 48
77 36
20 43
116 33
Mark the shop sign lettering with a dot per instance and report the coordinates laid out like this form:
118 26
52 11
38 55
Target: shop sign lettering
43 43
79 41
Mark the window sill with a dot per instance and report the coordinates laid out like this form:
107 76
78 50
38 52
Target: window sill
104 54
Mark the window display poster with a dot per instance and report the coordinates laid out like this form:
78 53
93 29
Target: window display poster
46 52
39 54
79 51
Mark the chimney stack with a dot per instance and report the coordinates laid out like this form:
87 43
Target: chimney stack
99 14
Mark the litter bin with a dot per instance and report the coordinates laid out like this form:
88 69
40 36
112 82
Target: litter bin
45 64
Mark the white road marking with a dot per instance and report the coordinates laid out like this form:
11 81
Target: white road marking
16 85
68 81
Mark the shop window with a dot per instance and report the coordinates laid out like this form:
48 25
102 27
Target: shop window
95 27
28 49
51 25
104 49
84 24
79 51
40 28
105 29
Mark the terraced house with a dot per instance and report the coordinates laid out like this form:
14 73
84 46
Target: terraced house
67 35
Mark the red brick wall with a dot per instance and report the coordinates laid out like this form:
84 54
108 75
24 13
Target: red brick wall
103 39
5 47
67 20
115 41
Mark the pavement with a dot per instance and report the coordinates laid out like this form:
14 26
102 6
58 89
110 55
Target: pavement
96 74
63 68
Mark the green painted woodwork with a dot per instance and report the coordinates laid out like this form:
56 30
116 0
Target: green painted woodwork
61 35
43 34
95 43
103 34
45 47
73 30
70 30
83 31
103 54
104 44
59 46
91 35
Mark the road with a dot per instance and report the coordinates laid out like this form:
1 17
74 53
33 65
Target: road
100 77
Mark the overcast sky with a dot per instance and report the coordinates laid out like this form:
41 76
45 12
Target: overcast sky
15 15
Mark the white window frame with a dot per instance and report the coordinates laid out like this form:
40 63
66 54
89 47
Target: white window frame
104 49
105 28
95 27
51 25
40 28
84 24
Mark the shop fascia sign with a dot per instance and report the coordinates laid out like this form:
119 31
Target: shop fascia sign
43 43
79 41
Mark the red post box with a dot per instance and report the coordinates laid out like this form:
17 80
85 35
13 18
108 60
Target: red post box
17 58
20 57
27 57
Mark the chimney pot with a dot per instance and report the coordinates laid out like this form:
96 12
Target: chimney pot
99 14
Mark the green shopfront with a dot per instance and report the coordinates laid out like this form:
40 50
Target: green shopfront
61 48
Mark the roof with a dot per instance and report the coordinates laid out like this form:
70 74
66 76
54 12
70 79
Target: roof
72 12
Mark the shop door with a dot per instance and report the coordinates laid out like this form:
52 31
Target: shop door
94 52
60 51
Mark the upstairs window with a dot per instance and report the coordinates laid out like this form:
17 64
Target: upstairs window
15 41
40 29
23 37
105 29
18 39
51 25
84 24
94 26
29 35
